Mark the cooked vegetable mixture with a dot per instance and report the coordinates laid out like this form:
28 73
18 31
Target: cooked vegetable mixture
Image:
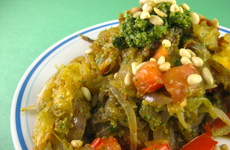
159 80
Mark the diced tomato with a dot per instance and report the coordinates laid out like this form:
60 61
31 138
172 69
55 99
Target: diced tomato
175 81
202 142
96 142
158 147
148 78
221 41
215 124
161 51
208 22
105 144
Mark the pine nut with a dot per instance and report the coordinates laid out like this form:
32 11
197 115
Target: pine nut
195 17
128 79
197 61
161 1
145 15
136 14
166 43
224 147
86 93
135 9
142 2
156 20
165 66
171 1
181 10
158 1
215 22
115 75
76 143
194 79
144 6
191 52
207 76
148 9
153 59
89 51
185 6
174 8
159 12
94 101
151 3
185 60
133 66
161 60
185 53
140 66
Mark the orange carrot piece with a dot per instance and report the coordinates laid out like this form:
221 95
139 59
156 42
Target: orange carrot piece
161 51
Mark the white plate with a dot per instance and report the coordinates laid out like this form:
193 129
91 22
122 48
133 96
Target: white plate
40 71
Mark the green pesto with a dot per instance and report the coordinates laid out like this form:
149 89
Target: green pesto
137 32
165 7
119 42
181 20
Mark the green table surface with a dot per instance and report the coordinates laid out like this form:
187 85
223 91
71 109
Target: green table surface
29 27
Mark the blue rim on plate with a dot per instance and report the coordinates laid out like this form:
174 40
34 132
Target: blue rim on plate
17 114
17 101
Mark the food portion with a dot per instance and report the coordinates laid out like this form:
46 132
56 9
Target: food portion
159 80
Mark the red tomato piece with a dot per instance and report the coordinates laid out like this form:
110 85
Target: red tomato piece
175 81
208 22
148 78
105 144
158 146
202 142
215 124
96 142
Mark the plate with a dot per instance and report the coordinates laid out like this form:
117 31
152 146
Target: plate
41 70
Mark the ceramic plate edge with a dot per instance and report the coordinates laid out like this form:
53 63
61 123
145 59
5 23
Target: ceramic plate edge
15 107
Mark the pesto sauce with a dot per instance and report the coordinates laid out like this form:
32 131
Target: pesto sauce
181 20
137 32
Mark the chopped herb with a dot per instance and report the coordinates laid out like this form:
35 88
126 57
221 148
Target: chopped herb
181 20
103 148
162 123
120 43
177 62
145 117
113 128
